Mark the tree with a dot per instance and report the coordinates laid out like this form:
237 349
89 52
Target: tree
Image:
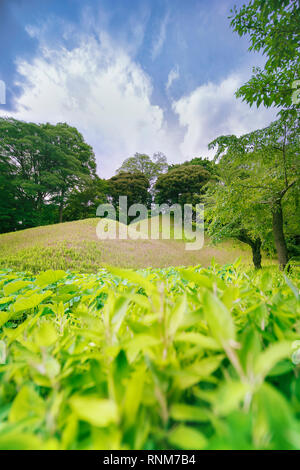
142 163
22 145
82 203
73 162
227 216
133 185
274 29
207 164
182 185
265 164
8 209
47 163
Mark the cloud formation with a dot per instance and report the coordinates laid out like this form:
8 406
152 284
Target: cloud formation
160 40
173 75
100 90
212 110
97 86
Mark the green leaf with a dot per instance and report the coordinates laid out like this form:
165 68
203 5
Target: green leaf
140 342
133 395
266 281
26 404
229 397
274 420
197 278
176 316
182 412
19 441
96 411
219 319
50 277
15 286
185 437
207 366
119 312
230 295
206 342
269 358
26 303
45 334
5 300
293 288
4 317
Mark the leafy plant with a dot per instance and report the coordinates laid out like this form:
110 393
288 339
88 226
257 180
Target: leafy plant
150 359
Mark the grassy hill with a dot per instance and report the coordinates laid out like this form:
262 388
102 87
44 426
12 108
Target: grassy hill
75 246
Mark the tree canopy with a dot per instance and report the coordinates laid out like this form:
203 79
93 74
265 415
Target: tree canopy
182 185
273 27
262 170
207 164
142 163
44 163
133 185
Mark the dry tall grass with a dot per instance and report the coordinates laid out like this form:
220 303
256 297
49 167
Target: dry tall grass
75 246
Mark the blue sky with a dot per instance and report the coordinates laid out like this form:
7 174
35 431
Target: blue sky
131 75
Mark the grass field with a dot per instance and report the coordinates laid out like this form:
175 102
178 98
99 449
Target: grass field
75 246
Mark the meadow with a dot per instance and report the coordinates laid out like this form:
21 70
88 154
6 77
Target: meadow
75 246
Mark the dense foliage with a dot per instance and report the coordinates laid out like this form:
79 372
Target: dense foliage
142 163
273 28
82 203
181 185
208 165
40 166
135 186
256 194
188 358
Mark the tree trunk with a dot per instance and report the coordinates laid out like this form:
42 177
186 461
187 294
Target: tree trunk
256 254
279 237
255 247
61 208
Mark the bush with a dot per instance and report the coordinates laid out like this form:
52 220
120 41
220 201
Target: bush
156 359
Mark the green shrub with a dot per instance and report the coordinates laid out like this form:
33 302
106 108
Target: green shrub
156 359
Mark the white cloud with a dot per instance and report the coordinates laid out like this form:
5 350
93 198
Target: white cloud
212 110
159 41
173 75
97 88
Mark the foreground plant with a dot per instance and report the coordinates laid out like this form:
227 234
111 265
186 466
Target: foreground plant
176 358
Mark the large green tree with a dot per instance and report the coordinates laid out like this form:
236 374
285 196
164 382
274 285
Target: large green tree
182 185
230 214
8 207
205 163
82 203
142 163
264 167
273 27
135 186
46 162
23 146
73 162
